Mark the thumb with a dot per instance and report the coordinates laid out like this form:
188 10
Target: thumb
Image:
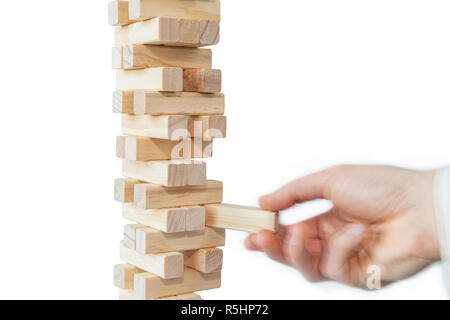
338 250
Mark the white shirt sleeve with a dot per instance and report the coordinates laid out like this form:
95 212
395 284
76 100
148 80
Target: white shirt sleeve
442 208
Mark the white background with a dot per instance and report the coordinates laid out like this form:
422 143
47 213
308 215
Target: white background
308 83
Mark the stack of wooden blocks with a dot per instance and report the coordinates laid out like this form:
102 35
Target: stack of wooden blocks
172 109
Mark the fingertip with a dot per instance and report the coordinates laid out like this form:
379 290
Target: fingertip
249 243
272 202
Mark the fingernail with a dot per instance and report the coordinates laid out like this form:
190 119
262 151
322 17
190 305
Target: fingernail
355 230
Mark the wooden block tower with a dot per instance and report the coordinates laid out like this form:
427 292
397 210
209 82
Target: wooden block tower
172 110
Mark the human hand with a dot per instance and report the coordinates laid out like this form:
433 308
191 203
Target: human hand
382 216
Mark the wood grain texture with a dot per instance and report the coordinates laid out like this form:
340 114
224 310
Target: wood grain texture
129 235
208 127
157 79
158 31
185 9
202 80
241 218
123 101
138 56
148 286
161 127
124 276
209 32
204 260
195 218
169 32
129 230
151 241
152 196
168 220
167 173
165 265
147 149
116 58
118 14
196 172
181 103
129 295
124 189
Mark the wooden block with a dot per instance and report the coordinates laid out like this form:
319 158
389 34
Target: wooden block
152 196
124 276
209 32
165 265
208 127
196 173
124 189
160 127
169 32
241 218
148 286
167 220
129 243
186 9
158 79
151 241
147 149
189 31
184 103
195 218
118 13
123 101
129 295
129 230
138 56
204 260
116 58
169 173
202 80
158 31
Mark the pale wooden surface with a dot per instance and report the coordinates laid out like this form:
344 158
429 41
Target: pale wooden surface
209 32
202 80
129 230
124 189
151 241
204 260
241 218
195 218
118 13
152 196
167 173
196 173
138 56
167 220
116 58
129 243
160 127
185 9
124 276
129 235
129 295
159 31
157 79
182 103
147 149
165 265
169 32
208 127
148 286
123 101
